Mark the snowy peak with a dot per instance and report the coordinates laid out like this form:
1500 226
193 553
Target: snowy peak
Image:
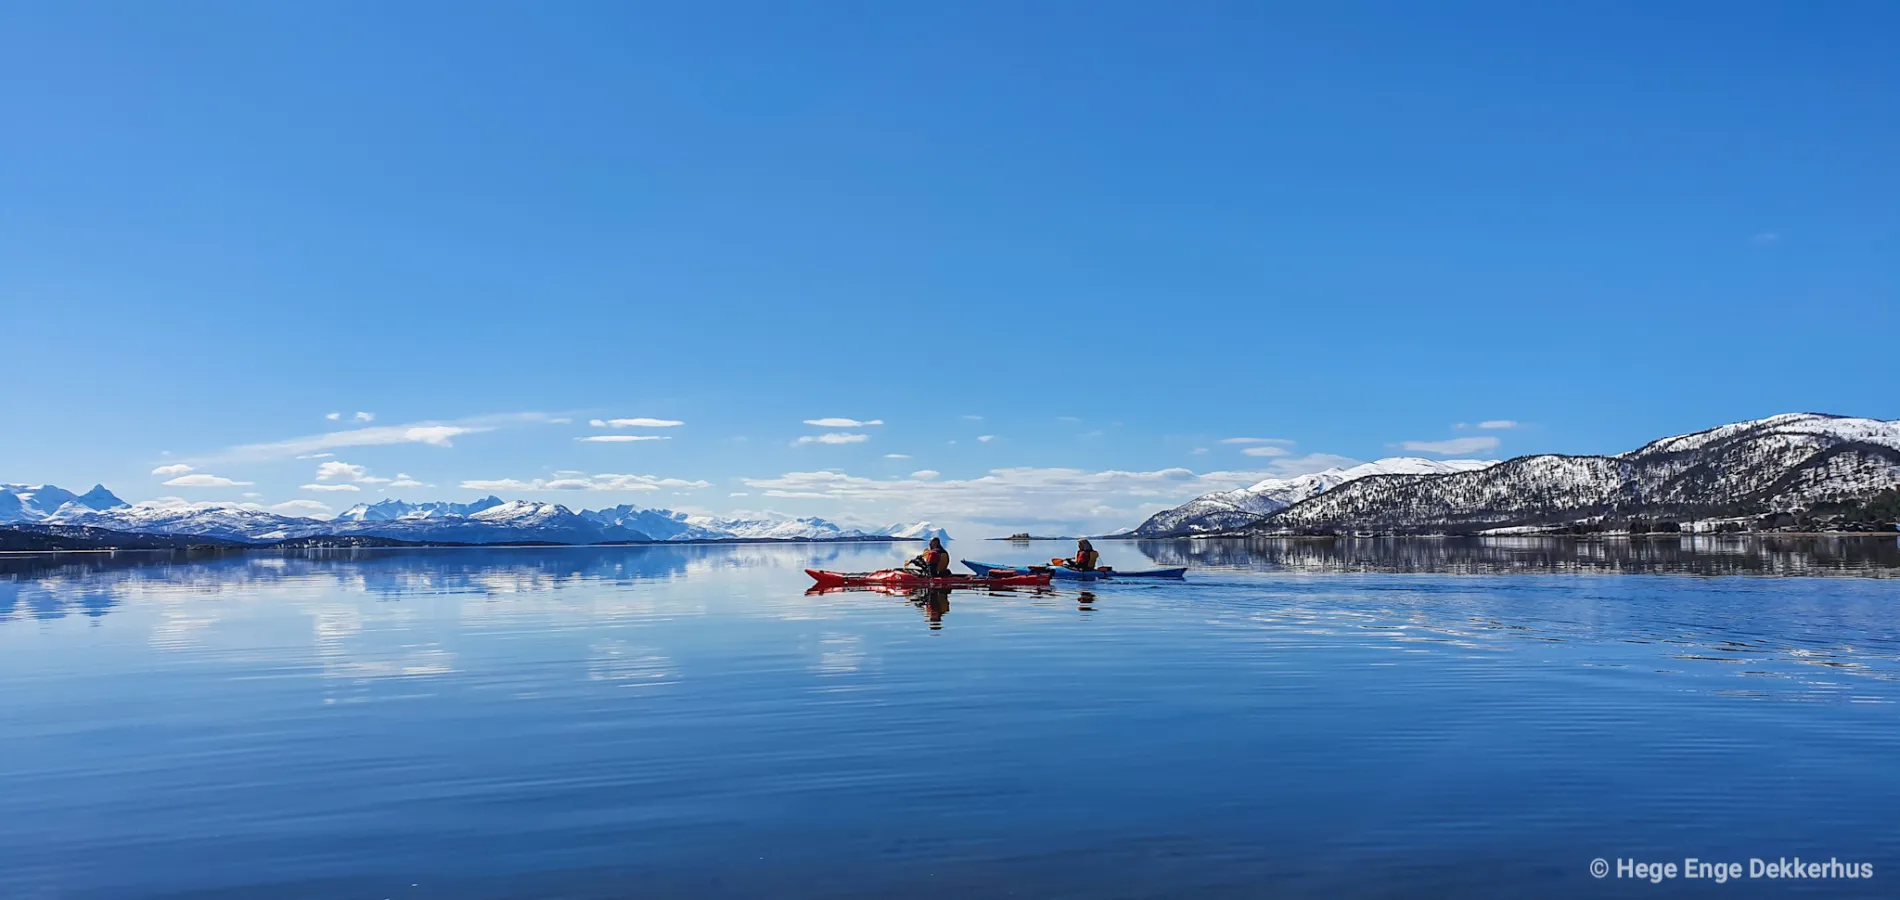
100 499
1814 428
921 531
394 510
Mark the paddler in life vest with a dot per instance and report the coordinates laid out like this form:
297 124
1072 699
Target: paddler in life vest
934 562
1084 559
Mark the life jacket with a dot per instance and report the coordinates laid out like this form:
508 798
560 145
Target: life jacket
937 562
1085 560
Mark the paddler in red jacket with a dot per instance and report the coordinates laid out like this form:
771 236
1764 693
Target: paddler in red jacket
934 562
1084 560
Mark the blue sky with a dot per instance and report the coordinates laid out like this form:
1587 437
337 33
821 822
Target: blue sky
1117 233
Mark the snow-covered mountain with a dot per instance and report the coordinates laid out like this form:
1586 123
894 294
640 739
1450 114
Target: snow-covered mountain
1779 464
216 520
392 510
922 531
659 524
490 520
35 502
1229 510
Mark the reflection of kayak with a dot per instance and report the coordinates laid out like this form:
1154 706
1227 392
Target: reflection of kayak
1072 574
904 578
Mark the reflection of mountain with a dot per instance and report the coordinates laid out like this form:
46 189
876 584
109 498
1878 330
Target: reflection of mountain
1700 555
54 585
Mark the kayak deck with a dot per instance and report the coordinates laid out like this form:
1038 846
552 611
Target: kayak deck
1076 574
905 578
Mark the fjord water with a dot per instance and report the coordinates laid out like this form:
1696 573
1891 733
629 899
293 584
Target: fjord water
1297 718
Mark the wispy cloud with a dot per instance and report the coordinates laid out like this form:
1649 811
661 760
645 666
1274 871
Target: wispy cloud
365 417
433 433
1266 450
985 438
1765 238
605 482
1497 423
1257 440
843 423
171 471
638 422
973 418
622 438
404 481
334 416
331 487
835 437
203 480
1198 451
1452 447
896 456
342 471
316 456
925 474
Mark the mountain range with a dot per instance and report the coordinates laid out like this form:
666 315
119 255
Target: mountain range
1228 510
1789 469
489 520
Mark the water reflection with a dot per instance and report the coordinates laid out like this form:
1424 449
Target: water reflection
53 585
1692 555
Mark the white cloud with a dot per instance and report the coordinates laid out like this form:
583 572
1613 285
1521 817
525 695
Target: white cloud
925 474
342 471
365 417
834 437
1070 419
896 456
605 482
985 438
1497 423
204 481
313 509
316 456
172 471
434 433
251 495
1452 447
843 423
974 418
635 423
1255 440
1265 450
621 438
403 481
738 494
334 416
331 487
1198 451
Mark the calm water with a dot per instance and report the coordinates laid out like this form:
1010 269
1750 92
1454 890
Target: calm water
1317 719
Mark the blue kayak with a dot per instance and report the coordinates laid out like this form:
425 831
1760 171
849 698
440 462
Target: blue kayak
1061 573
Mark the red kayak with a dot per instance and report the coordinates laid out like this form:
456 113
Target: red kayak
907 578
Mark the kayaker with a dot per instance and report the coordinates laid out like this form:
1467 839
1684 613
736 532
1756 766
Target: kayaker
934 562
1084 560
